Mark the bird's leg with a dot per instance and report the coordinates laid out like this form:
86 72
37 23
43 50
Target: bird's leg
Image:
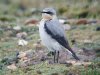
57 56
54 55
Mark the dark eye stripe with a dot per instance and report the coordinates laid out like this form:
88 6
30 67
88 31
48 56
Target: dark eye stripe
47 12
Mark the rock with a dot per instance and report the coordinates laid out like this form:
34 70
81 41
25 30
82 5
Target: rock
17 28
22 35
31 21
71 61
87 41
92 21
98 21
24 60
21 55
82 21
77 64
18 35
22 42
25 56
66 63
67 27
62 21
12 67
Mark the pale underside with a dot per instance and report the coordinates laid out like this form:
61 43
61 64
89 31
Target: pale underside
47 40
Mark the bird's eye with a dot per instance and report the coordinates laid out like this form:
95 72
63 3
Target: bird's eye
47 12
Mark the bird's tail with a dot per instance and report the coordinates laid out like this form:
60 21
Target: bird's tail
73 53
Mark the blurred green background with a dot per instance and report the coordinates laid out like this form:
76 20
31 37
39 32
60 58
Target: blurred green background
65 8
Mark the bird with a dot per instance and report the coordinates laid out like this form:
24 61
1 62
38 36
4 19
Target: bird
52 34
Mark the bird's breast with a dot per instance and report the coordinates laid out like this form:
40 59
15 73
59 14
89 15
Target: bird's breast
43 35
46 39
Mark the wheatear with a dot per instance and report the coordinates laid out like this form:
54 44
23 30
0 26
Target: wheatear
52 33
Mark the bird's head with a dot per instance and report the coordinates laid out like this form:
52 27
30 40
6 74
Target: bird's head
48 13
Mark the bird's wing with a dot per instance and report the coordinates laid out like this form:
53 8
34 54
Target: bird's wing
56 31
